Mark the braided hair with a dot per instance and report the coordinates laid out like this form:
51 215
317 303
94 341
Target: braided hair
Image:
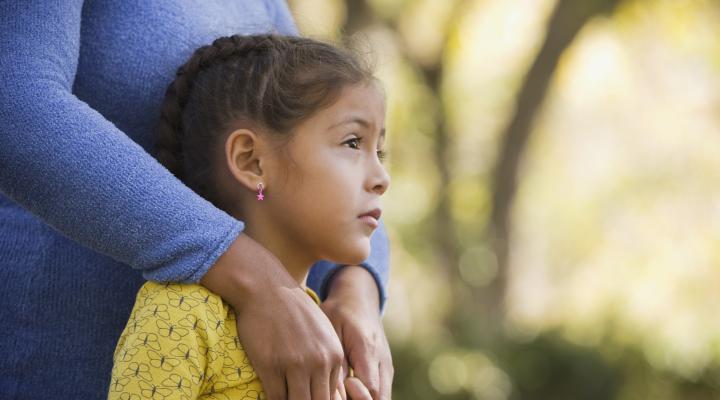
268 82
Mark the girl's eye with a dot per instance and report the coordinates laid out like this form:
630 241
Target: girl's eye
382 154
356 142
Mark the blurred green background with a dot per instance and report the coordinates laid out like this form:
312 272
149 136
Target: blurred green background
555 202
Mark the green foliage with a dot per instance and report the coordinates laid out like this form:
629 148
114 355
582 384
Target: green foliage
615 252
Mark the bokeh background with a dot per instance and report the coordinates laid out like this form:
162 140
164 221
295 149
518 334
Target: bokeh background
555 205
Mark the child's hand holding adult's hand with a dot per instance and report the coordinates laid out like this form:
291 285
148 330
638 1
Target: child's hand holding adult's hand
289 340
352 306
356 390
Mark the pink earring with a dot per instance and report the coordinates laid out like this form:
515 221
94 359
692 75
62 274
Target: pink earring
260 195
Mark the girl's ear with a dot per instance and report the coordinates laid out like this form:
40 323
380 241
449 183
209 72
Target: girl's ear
244 156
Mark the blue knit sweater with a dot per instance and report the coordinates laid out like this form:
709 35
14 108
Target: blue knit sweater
85 211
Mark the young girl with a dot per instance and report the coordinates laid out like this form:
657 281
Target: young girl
286 134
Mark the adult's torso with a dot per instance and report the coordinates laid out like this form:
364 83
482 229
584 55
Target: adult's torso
131 49
63 305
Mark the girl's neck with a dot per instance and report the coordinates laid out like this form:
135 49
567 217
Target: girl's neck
292 255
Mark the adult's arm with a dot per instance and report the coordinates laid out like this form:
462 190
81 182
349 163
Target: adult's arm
69 166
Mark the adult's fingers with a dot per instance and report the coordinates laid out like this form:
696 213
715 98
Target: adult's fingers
274 385
356 390
341 381
387 372
334 380
298 385
299 340
320 385
341 391
367 369
360 329
298 337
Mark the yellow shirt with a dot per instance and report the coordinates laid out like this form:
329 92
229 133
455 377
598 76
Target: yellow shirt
181 342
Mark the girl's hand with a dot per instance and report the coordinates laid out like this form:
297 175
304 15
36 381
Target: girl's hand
356 390
291 343
352 306
351 388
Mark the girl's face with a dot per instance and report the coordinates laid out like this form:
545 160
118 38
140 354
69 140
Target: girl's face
333 176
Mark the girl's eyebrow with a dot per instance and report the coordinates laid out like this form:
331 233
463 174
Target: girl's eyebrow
358 120
352 119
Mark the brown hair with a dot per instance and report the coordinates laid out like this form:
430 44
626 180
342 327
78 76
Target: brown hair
269 82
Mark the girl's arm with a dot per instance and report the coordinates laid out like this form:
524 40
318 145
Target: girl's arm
168 348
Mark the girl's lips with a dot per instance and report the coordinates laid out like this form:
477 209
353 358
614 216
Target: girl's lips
375 213
371 217
370 220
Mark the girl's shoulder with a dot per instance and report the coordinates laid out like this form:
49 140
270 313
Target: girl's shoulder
179 299
151 288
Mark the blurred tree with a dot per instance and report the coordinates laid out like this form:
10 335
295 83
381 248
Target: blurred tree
566 21
568 17
535 364
430 69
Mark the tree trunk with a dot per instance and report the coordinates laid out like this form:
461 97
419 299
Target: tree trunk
569 16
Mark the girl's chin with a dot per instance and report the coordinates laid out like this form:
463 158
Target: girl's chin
352 255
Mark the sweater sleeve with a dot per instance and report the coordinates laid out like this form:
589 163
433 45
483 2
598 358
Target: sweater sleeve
64 162
377 264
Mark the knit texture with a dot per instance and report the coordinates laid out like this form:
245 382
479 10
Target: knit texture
85 212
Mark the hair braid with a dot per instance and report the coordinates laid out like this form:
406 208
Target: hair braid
168 148
264 82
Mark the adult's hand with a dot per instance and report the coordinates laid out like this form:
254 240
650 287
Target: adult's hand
291 343
352 305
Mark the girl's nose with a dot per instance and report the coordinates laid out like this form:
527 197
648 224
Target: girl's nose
380 180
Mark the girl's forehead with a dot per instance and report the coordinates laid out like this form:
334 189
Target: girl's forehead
359 106
363 103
